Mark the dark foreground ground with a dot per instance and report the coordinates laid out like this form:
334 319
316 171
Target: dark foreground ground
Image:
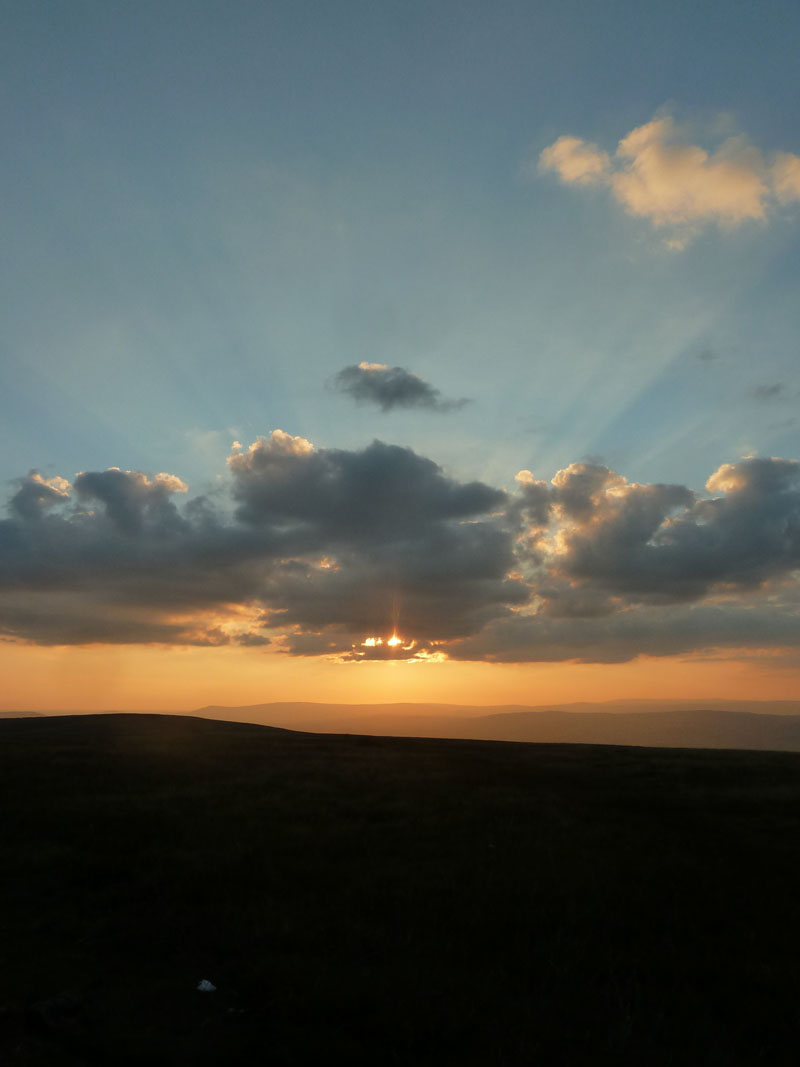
391 901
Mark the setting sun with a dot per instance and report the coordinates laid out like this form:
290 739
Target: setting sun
391 642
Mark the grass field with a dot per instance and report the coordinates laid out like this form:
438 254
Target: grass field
391 901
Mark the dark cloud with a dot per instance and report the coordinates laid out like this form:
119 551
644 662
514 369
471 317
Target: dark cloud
253 640
69 617
315 551
329 496
643 630
317 541
391 387
398 539
664 542
129 497
37 493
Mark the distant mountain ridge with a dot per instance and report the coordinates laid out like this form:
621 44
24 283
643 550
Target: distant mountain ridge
720 724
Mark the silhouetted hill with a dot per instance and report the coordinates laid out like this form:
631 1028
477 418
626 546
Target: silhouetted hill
369 900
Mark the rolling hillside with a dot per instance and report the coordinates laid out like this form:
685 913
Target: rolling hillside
370 899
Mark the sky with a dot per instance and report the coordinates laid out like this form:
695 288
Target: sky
398 351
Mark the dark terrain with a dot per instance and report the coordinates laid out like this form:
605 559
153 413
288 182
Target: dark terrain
383 900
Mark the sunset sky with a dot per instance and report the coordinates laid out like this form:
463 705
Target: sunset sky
470 325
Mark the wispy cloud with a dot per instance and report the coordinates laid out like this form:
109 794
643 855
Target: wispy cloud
658 174
391 387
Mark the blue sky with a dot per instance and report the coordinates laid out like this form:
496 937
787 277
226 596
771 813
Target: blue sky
583 218
212 208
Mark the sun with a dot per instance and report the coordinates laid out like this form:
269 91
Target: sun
395 641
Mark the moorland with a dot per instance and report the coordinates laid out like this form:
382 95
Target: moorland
364 899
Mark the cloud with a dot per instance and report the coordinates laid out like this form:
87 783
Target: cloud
391 387
315 551
252 640
677 631
326 496
678 186
345 542
663 543
128 496
36 493
576 161
375 534
786 176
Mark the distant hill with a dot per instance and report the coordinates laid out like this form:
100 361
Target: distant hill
700 728
735 724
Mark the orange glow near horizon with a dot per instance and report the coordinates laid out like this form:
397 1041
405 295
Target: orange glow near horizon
107 677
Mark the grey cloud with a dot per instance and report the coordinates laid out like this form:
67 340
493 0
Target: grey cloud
391 387
644 630
445 584
70 618
663 542
313 643
405 539
253 640
314 550
129 496
37 493
318 540
330 495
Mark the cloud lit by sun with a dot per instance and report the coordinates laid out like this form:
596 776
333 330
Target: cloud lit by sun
375 647
392 642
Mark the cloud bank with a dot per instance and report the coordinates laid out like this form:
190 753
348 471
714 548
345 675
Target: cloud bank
391 387
377 553
677 186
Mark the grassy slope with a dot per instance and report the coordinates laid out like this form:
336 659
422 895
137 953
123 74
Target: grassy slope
385 900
